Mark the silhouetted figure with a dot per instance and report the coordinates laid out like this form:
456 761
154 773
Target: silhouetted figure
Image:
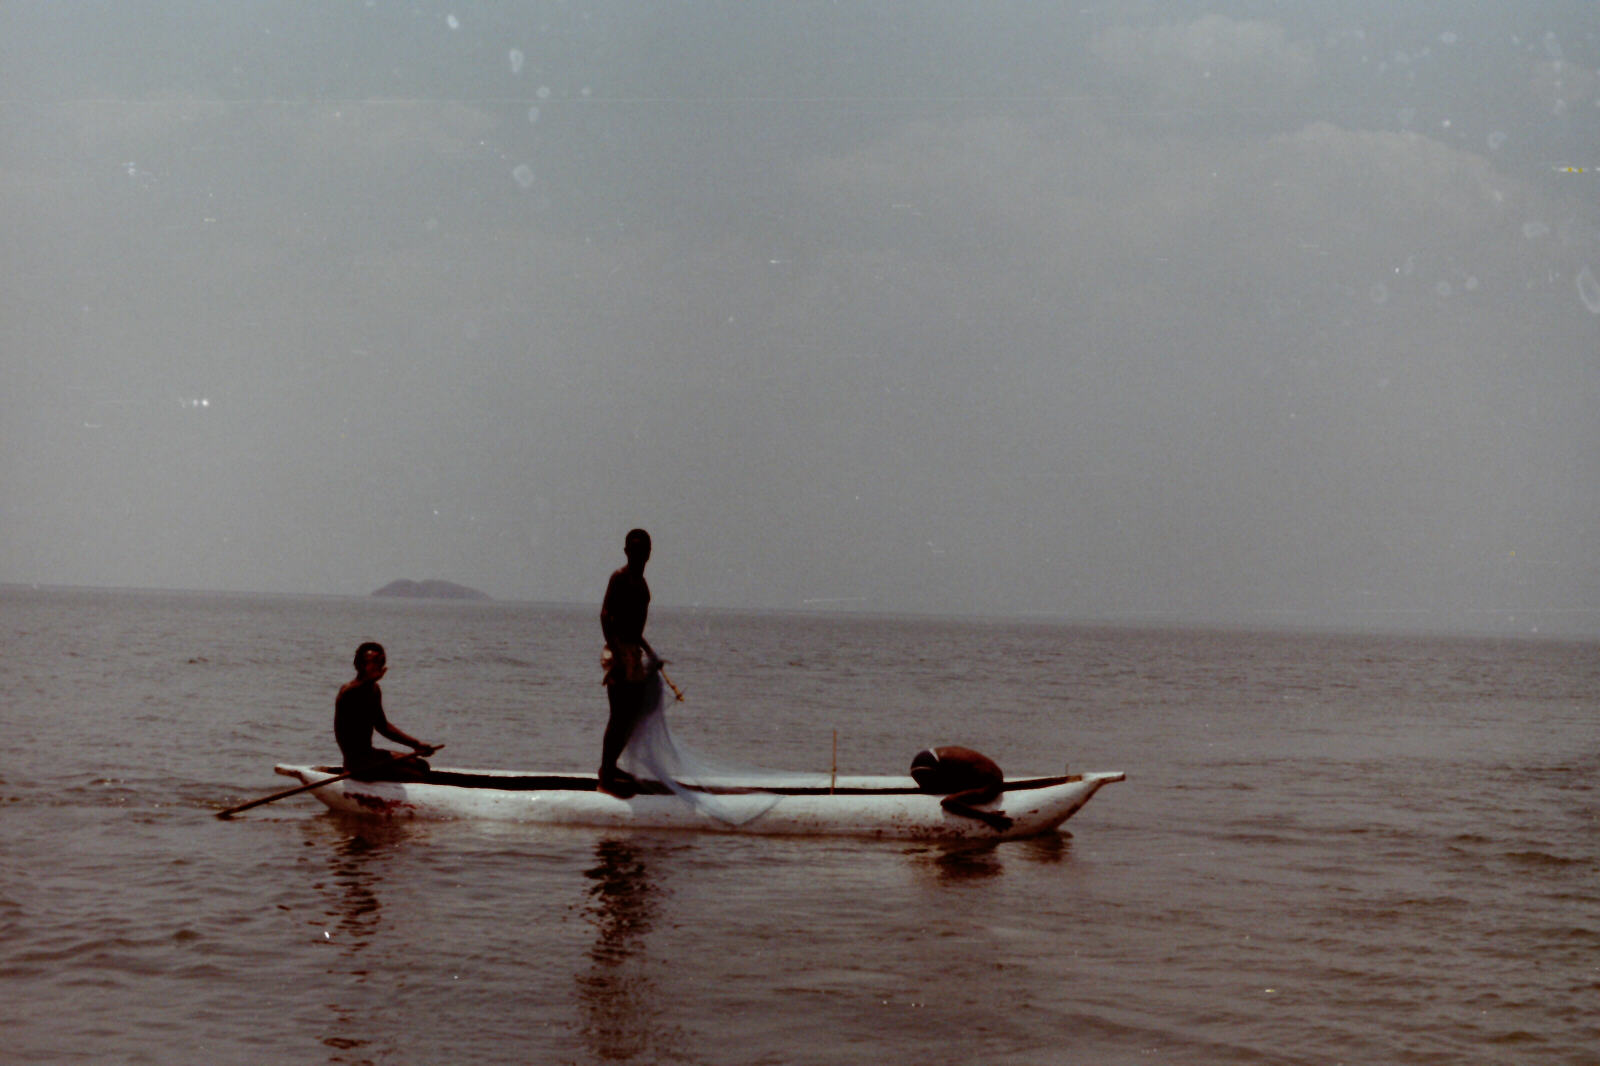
965 778
358 711
628 659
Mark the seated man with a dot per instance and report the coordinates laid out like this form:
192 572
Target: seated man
358 711
965 778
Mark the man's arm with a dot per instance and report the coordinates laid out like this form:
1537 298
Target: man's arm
400 736
607 617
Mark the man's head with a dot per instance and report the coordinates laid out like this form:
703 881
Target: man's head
636 546
370 657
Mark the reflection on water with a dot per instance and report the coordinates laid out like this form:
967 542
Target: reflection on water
976 860
1047 849
621 1016
357 912
357 864
960 862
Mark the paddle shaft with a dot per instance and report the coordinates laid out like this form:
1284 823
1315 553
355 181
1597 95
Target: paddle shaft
231 811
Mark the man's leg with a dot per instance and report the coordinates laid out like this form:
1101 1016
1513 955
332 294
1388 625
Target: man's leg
965 804
385 767
624 702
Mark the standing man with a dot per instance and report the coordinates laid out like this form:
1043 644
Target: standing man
358 711
628 659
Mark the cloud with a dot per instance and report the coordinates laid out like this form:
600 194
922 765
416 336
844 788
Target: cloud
204 142
128 128
1081 198
1008 190
1212 60
1400 174
1558 85
380 133
1272 369
1087 353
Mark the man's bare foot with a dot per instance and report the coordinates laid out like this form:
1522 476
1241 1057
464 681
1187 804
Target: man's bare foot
620 784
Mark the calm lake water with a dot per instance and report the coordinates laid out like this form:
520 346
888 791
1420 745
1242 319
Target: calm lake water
1328 849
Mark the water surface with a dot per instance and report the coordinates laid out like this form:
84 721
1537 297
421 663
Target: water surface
1328 848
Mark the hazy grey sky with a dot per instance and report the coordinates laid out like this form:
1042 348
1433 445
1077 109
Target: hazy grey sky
1245 312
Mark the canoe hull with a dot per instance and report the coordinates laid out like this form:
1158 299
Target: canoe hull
882 807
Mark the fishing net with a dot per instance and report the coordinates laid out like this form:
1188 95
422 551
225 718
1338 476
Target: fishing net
726 792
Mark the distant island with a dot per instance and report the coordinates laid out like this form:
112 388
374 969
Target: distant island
431 589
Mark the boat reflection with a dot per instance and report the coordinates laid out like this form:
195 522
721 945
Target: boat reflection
958 862
621 1017
953 863
1047 849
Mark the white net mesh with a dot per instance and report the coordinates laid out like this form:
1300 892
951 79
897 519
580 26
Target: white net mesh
728 793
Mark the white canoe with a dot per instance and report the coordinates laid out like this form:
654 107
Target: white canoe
885 807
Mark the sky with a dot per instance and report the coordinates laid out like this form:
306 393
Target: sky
1151 312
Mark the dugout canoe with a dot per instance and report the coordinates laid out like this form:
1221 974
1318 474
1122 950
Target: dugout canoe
889 807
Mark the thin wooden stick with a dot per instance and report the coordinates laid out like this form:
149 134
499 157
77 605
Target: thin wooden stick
833 775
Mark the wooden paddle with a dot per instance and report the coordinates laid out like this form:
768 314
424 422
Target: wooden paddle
231 811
